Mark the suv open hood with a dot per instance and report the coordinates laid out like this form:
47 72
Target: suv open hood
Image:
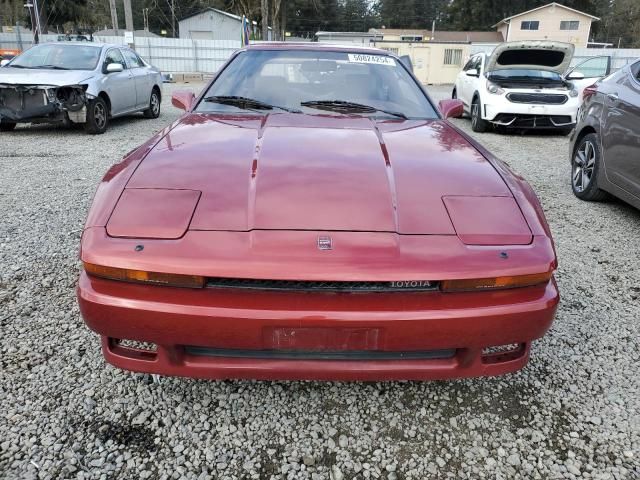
531 55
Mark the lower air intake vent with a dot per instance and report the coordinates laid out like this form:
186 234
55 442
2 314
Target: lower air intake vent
321 355
319 286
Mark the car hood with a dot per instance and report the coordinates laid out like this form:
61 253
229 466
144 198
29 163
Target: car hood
317 172
58 78
531 55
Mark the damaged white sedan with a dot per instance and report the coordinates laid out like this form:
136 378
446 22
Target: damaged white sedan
83 83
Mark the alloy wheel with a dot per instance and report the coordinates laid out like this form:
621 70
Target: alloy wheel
583 166
155 103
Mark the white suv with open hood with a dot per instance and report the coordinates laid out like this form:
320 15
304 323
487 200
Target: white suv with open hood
522 85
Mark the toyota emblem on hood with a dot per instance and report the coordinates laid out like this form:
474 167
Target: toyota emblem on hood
324 242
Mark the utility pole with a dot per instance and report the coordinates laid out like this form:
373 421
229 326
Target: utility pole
34 22
37 14
264 10
173 17
433 30
145 18
283 20
114 16
128 16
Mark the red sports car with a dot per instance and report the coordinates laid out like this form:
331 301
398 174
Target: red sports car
313 215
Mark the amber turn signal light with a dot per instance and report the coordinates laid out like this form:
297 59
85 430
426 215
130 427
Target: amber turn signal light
139 276
470 285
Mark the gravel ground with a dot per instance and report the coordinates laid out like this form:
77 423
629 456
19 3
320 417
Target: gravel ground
573 412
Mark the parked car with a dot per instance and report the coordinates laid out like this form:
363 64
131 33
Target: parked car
73 38
84 83
313 215
605 146
524 85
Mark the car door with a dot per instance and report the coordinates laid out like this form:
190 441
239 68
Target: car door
461 79
141 77
469 82
120 86
621 129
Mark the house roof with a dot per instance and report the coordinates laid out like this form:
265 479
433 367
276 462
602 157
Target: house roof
444 35
348 34
211 9
552 4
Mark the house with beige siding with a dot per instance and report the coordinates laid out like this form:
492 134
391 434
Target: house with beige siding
549 22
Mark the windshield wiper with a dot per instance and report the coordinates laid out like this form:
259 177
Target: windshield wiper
246 103
52 67
342 106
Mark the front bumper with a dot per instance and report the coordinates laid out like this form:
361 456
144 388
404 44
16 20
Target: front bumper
501 111
228 333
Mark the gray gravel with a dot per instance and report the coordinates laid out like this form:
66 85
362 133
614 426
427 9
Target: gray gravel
573 412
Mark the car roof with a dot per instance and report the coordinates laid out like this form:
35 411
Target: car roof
86 44
315 46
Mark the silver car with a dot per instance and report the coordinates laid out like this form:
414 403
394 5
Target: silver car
86 83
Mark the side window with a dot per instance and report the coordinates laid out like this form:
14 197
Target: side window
114 56
635 70
477 64
132 59
594 67
469 64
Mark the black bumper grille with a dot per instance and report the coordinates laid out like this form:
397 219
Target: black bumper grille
532 121
538 98
321 286
321 354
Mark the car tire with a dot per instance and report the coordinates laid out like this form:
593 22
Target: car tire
97 116
477 123
585 165
154 105
7 126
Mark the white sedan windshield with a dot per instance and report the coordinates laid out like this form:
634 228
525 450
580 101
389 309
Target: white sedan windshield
304 80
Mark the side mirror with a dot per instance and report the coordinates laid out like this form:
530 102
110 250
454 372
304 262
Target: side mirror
575 76
406 61
451 108
183 99
114 68
473 72
4 62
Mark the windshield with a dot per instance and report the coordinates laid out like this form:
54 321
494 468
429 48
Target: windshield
59 56
316 82
525 74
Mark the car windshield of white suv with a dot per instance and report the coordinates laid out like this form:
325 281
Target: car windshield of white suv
59 57
317 82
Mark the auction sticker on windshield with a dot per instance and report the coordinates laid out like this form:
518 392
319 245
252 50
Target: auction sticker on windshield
377 59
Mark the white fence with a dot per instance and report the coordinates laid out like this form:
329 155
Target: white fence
167 54
207 56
